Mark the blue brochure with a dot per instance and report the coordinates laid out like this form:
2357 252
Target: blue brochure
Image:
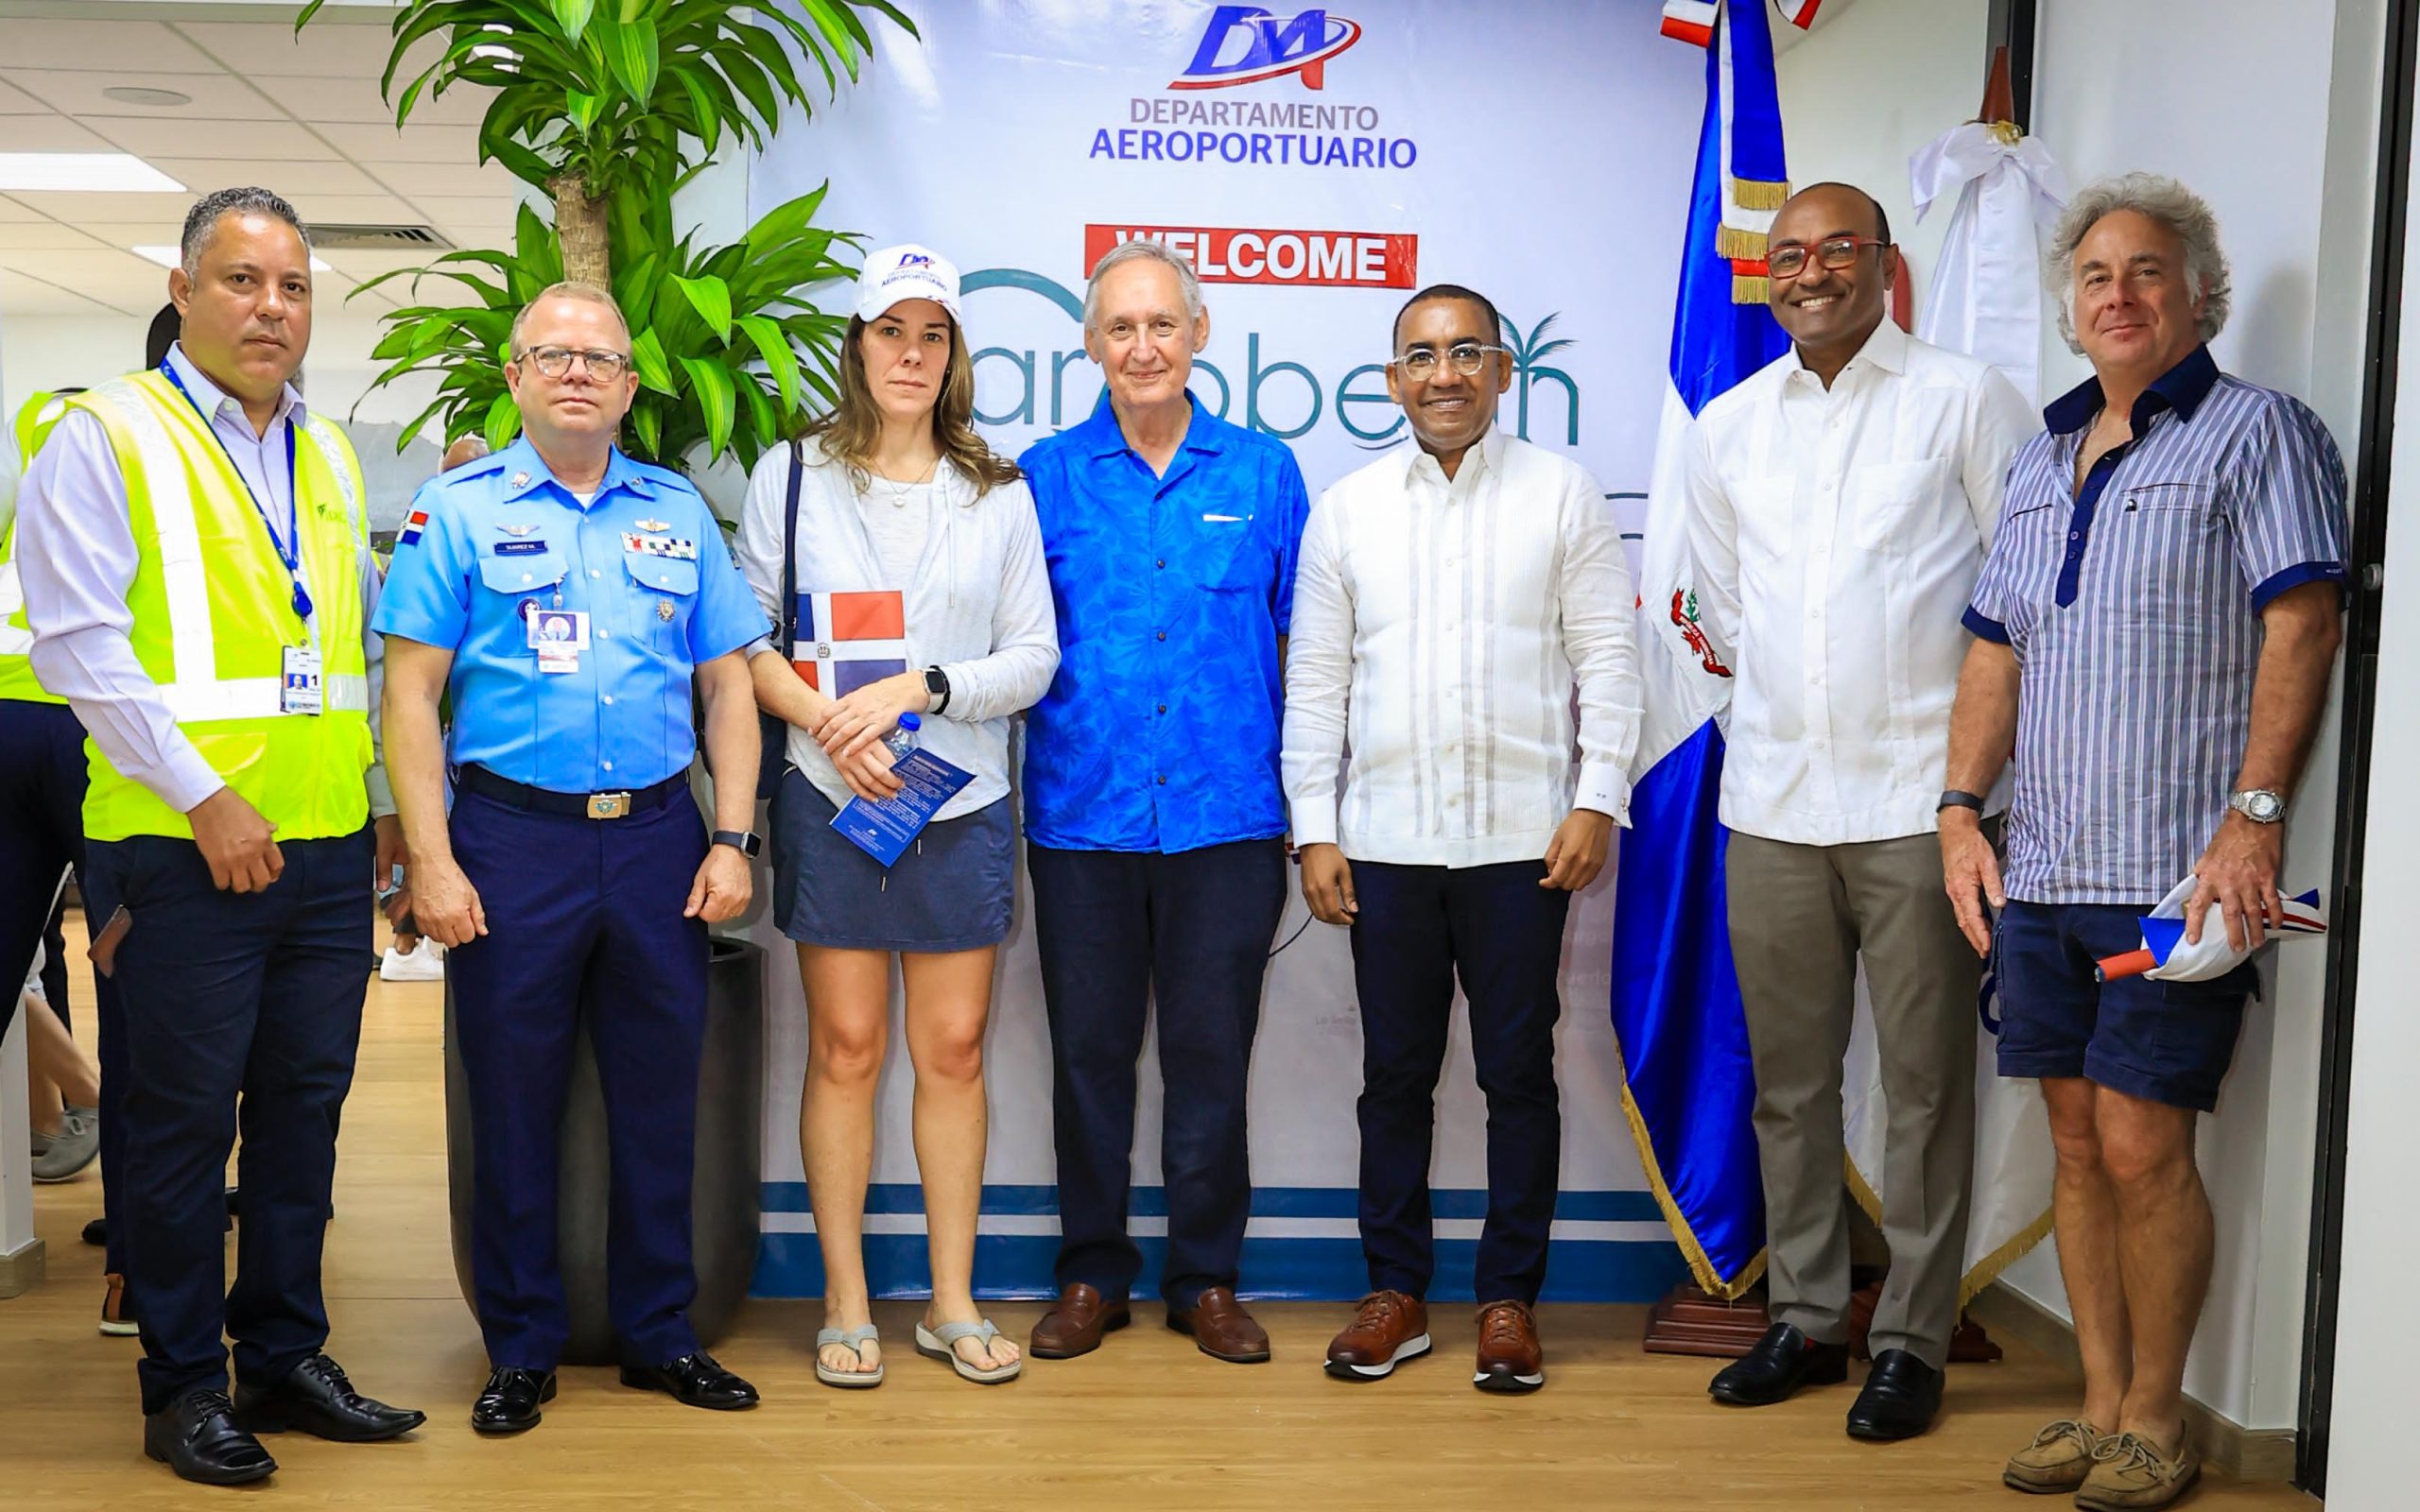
885 830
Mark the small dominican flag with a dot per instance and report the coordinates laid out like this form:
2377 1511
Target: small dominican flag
846 641
413 524
2167 955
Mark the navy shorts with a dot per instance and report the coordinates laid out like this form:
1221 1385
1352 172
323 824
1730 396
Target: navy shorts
2165 1041
950 891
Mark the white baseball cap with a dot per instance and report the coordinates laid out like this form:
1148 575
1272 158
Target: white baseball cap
907 272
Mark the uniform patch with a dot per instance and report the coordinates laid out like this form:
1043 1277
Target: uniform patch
520 548
413 524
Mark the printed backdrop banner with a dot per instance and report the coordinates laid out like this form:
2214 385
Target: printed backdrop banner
1317 165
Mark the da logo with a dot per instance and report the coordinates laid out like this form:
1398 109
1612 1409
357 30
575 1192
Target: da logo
1271 47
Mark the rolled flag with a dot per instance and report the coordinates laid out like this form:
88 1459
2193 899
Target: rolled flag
2167 955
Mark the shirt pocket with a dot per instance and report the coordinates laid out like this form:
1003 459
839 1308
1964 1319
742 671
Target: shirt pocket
2172 539
1226 551
667 587
1897 502
521 572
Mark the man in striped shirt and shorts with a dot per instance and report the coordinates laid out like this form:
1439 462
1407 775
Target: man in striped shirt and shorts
2154 629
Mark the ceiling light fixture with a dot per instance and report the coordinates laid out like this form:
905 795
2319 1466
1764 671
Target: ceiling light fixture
174 257
143 95
83 172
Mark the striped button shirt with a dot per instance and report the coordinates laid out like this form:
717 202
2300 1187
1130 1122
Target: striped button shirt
2133 604
1441 631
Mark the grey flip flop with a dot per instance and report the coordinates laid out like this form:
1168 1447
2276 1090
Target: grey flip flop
941 1345
854 1341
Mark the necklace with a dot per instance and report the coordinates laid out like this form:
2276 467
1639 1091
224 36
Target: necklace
896 491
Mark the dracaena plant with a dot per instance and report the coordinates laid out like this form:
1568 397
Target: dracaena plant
606 105
728 351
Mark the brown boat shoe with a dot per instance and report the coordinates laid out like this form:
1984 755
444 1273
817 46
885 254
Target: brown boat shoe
2058 1460
2129 1474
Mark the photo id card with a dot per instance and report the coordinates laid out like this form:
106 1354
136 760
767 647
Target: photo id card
299 694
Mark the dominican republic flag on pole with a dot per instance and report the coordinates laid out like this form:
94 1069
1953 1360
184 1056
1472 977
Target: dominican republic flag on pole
846 641
1687 1087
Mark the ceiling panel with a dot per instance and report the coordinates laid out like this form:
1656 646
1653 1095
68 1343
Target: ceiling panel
449 180
132 233
358 100
155 138
326 49
22 295
289 178
12 209
375 208
456 144
44 236
14 101
215 96
73 207
49 134
147 46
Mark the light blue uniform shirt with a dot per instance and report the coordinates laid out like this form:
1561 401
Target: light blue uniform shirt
500 534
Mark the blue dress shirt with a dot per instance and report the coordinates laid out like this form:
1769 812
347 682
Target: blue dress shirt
501 539
1160 732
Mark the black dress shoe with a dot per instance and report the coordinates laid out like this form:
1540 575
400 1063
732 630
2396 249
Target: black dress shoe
694 1379
1899 1399
317 1398
197 1435
1783 1361
96 1231
509 1401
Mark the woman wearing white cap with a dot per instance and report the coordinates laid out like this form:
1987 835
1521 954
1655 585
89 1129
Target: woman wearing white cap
927 544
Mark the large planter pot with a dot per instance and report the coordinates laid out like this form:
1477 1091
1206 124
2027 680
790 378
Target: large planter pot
729 1169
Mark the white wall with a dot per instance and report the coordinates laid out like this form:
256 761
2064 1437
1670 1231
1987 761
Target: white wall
1870 85
2377 1329
2130 87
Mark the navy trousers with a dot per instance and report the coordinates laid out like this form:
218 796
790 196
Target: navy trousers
229 994
1494 927
41 835
583 924
1116 931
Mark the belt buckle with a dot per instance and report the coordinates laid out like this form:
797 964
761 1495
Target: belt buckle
609 805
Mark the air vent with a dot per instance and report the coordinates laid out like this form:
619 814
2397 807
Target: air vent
330 237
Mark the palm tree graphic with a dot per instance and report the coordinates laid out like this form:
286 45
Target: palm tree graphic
1530 371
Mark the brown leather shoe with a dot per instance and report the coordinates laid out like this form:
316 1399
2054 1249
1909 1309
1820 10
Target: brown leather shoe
1390 1328
1509 1356
1076 1325
1222 1329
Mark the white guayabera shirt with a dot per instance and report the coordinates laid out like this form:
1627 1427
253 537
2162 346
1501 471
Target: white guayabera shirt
1834 537
1441 632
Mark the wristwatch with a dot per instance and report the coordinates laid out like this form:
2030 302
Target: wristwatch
1960 799
937 683
2260 805
742 841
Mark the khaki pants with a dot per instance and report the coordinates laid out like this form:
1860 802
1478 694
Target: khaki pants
1800 917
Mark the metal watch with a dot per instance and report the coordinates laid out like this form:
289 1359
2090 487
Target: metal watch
937 683
746 843
2260 805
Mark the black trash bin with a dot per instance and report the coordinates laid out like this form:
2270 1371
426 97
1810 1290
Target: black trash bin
729 1171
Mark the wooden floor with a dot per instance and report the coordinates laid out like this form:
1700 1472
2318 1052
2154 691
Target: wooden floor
1145 1423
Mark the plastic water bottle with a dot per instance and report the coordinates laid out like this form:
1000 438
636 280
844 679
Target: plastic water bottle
902 739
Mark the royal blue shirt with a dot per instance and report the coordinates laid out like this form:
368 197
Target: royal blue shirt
1159 731
499 538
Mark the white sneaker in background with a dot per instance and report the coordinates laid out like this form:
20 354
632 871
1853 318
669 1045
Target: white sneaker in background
426 963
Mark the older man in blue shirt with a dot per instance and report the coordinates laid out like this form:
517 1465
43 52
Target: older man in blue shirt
569 599
2155 624
1154 818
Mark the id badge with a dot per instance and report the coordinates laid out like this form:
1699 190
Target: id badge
300 692
559 635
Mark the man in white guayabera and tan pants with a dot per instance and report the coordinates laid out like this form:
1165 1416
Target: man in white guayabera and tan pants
1839 505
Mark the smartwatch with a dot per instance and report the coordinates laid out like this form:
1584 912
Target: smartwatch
937 683
742 841
1960 799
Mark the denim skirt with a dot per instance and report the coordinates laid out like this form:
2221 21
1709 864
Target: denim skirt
949 892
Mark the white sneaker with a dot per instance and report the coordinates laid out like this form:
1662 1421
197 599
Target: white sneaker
426 963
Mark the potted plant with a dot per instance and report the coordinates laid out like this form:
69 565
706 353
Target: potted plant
608 107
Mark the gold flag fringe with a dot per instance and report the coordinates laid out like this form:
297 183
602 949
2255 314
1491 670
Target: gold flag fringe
1745 246
1750 289
1758 194
1987 1269
1701 1266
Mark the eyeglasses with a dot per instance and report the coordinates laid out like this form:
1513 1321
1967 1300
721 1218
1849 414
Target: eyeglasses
555 362
1833 251
1468 358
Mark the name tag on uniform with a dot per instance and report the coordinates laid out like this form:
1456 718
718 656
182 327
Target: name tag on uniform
660 546
300 692
520 548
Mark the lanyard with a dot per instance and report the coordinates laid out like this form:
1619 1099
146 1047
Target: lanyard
289 548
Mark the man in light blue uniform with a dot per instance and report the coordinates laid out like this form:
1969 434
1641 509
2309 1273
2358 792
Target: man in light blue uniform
575 878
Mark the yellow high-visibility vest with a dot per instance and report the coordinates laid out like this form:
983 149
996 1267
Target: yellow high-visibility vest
34 422
213 611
